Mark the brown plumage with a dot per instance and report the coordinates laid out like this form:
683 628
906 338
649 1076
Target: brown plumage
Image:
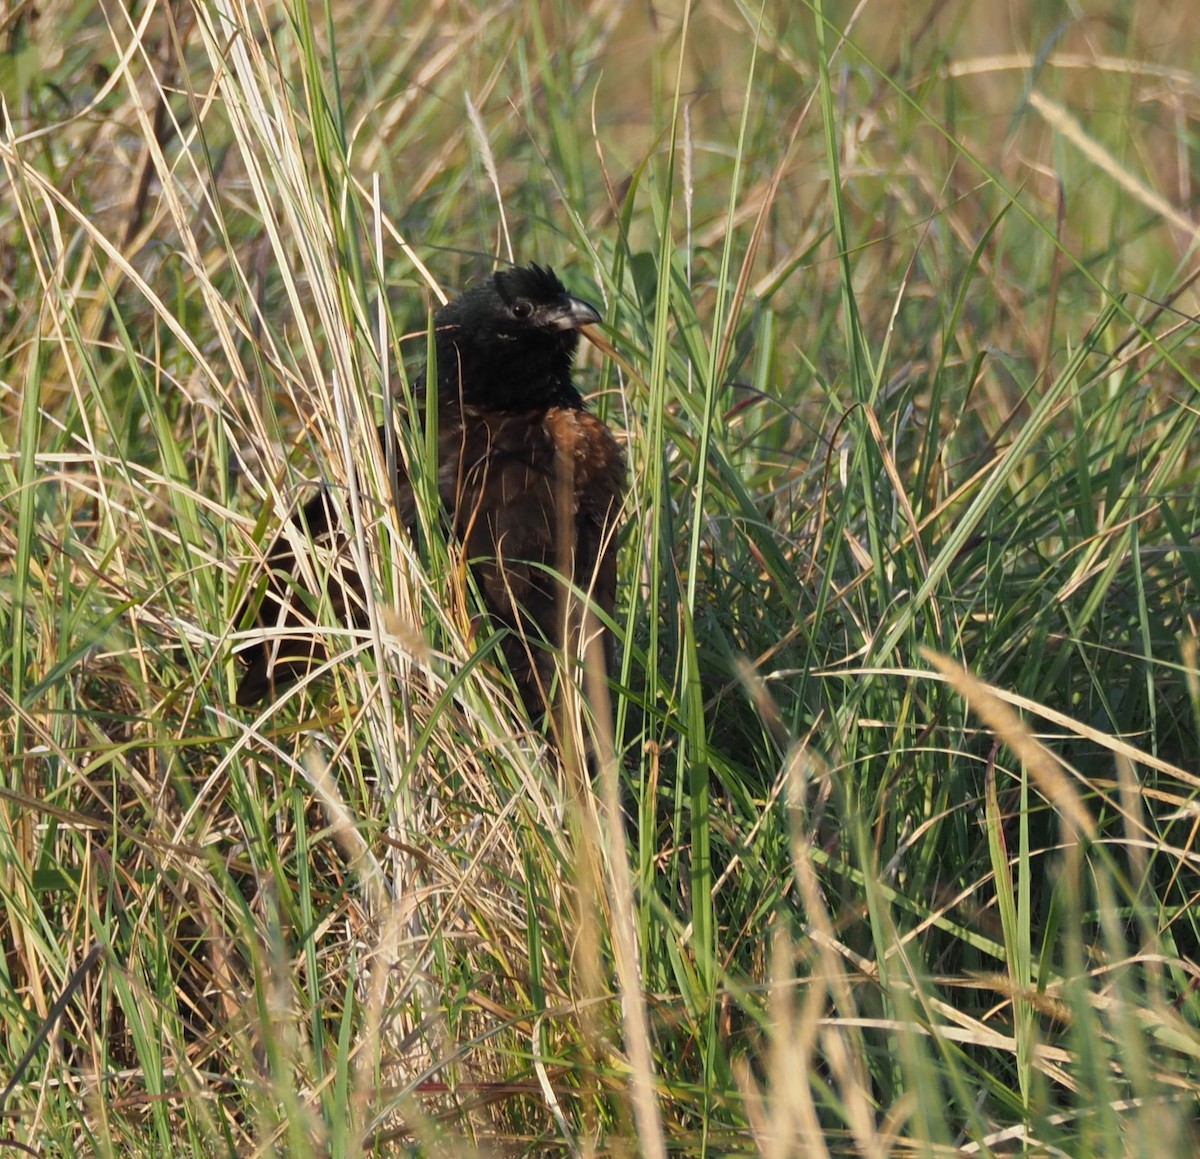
531 486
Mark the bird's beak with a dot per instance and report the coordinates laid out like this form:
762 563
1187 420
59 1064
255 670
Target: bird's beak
572 314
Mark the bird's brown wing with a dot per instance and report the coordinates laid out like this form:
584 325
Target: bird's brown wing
591 460
596 473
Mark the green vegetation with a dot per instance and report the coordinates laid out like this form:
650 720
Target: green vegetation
908 706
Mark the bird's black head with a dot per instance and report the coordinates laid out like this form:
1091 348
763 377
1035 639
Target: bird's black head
507 343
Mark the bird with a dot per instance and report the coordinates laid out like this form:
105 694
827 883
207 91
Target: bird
531 486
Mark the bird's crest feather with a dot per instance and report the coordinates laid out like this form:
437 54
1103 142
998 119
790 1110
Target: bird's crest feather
537 283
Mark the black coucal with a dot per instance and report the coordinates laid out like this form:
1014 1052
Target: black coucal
531 486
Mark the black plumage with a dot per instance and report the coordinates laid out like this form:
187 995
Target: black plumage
530 483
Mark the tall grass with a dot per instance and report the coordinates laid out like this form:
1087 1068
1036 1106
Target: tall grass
894 850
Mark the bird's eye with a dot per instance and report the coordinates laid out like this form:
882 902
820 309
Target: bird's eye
521 308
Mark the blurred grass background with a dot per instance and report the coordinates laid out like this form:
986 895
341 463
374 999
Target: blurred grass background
906 717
